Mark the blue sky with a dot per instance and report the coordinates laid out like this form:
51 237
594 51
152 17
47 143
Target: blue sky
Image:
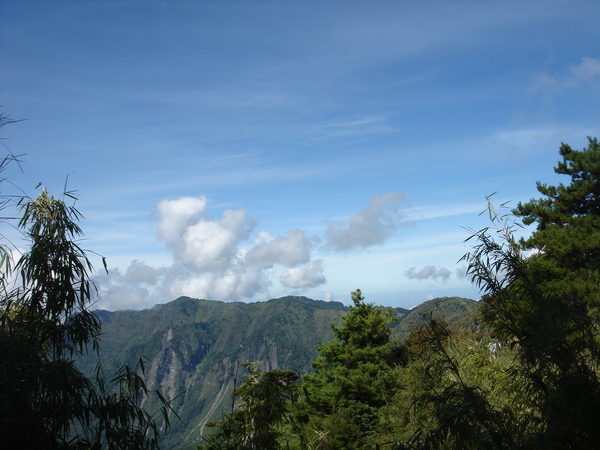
249 150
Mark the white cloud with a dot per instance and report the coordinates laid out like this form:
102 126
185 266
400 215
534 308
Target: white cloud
126 290
304 277
577 74
212 259
124 297
587 69
371 226
196 240
428 273
176 215
138 272
287 250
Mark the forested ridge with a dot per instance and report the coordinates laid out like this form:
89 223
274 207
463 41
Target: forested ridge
195 347
518 371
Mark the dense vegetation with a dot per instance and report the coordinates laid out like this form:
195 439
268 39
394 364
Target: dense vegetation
196 347
520 373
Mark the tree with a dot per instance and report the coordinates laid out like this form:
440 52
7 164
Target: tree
265 398
452 397
45 325
568 217
545 301
5 199
354 376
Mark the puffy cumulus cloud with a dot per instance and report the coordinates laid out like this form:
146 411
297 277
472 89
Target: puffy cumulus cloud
176 215
371 226
428 273
330 297
197 241
213 258
233 284
304 277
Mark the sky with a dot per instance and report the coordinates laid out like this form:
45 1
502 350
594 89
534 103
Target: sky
248 150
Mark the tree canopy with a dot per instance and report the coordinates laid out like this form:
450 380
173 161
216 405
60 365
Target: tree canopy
542 296
45 326
264 404
353 378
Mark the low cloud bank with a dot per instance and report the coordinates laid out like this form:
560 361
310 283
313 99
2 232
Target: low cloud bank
226 259
213 259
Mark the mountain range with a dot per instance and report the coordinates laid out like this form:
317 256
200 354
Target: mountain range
194 348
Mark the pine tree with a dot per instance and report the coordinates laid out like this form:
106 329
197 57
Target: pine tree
353 378
545 301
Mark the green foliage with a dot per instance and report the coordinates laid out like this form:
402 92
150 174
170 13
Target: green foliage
353 378
546 304
365 325
6 200
451 309
45 325
568 217
453 397
264 399
193 346
56 285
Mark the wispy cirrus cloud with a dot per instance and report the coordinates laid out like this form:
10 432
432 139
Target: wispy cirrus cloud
586 71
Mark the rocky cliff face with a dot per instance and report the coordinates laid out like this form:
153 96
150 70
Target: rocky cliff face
195 347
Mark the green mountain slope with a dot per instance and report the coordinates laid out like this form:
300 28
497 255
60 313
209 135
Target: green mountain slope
194 347
451 309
